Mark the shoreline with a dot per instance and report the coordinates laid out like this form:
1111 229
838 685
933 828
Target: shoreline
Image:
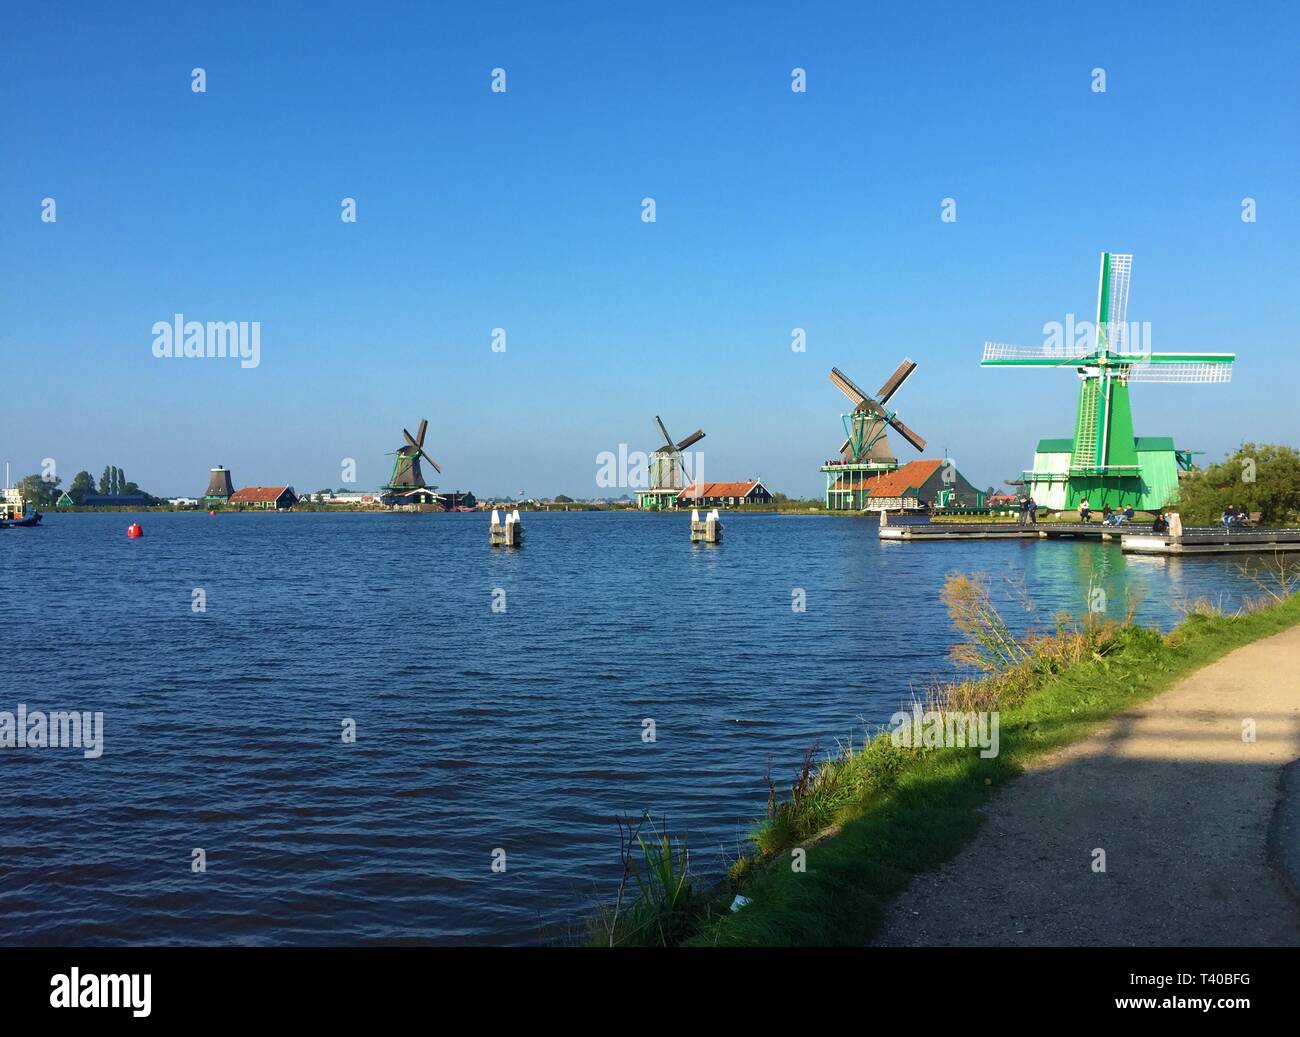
838 853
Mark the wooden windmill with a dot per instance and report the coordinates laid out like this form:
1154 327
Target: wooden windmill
407 479
865 453
668 472
865 428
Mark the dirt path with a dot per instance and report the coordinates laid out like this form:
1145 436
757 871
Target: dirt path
1182 806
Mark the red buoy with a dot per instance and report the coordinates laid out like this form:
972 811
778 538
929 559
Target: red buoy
211 512
134 530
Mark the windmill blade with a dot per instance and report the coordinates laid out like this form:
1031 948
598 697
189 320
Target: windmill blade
1000 354
436 467
907 433
1176 358
667 438
1188 373
410 439
693 438
841 382
1115 318
895 380
419 436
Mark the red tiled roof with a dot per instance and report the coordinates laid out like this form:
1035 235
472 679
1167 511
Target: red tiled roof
892 484
718 489
258 494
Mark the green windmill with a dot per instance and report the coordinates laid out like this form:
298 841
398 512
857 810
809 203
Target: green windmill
1104 461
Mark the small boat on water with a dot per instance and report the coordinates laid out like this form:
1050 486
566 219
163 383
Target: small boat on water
14 511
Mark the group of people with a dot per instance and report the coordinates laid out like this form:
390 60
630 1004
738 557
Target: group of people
1117 517
1109 516
1233 516
1028 510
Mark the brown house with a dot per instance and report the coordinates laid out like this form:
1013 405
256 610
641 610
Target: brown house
277 498
723 494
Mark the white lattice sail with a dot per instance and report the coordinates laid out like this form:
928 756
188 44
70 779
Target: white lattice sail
1064 354
1202 374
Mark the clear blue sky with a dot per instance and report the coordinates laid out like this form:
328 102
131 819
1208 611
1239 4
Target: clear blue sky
775 210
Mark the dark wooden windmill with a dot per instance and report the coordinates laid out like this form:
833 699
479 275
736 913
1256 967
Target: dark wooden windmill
865 428
668 473
407 478
865 454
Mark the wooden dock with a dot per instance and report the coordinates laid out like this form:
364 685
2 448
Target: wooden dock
1212 540
1134 538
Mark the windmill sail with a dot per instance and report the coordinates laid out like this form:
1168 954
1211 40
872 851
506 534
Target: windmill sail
1112 301
1187 373
1069 355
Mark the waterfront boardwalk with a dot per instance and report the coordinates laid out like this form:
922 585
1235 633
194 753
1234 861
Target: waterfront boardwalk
1199 851
1136 538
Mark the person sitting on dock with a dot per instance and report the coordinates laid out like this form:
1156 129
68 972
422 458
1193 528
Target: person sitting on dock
1107 516
1124 516
1085 510
1161 524
1229 515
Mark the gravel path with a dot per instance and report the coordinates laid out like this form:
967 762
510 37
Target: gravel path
1184 808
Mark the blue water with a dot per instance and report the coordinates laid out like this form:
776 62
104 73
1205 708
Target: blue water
476 730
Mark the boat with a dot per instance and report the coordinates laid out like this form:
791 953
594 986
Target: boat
14 511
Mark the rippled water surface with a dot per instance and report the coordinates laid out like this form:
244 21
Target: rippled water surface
476 730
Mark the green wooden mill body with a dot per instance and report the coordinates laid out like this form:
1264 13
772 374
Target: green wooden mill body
1105 462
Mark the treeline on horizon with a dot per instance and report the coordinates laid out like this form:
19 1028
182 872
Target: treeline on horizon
45 491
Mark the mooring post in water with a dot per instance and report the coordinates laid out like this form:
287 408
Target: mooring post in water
509 533
884 517
707 532
1175 524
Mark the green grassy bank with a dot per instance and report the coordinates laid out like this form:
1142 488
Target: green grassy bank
867 821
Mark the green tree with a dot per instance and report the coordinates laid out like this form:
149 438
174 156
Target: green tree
41 492
106 480
82 484
1257 477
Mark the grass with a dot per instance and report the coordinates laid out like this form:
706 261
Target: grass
870 819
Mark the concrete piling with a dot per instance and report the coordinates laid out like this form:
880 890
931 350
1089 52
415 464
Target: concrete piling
509 533
708 531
